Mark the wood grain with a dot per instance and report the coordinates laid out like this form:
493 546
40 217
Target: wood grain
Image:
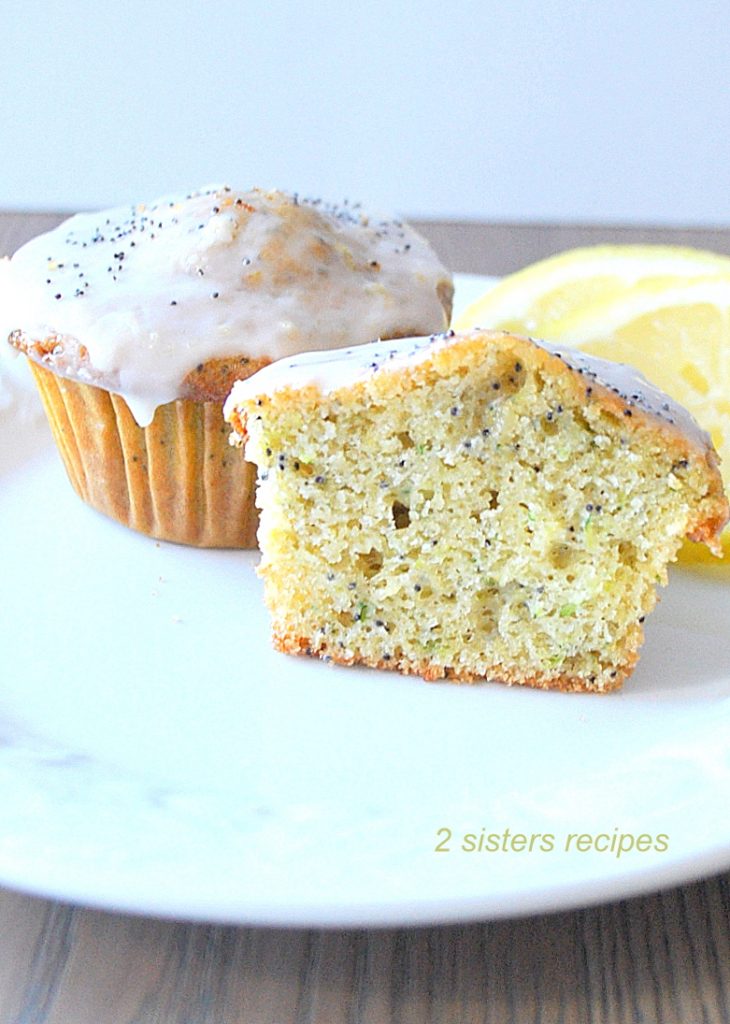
502 248
18 228
659 958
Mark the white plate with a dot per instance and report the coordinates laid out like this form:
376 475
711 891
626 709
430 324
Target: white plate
157 756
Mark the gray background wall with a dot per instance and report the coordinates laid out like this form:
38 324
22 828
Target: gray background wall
586 111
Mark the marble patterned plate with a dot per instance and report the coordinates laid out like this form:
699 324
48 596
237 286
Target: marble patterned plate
157 756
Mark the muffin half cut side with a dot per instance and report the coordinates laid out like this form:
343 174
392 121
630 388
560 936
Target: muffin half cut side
471 507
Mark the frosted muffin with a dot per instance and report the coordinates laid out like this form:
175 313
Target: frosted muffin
471 507
137 321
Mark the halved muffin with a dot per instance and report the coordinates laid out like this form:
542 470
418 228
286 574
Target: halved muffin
471 507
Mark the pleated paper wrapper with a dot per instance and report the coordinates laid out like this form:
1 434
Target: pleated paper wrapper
178 479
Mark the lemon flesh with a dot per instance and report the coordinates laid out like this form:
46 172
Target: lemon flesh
530 301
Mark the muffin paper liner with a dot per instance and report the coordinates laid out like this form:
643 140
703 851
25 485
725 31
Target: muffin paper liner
177 479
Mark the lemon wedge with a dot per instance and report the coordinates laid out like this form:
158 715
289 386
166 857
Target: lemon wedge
530 301
678 334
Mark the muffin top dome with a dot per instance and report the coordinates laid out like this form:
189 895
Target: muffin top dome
135 299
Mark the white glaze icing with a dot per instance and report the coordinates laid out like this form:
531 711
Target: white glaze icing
331 371
152 291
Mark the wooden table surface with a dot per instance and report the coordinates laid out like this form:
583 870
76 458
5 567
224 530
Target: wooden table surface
663 957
